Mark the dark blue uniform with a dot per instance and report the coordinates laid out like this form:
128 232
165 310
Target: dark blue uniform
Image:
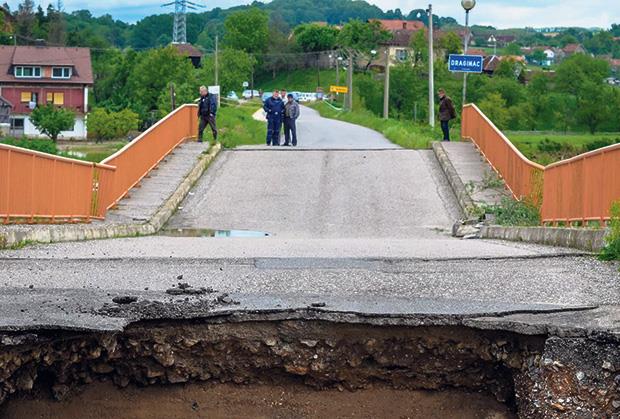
275 112
207 109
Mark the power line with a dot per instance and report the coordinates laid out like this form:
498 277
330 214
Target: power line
179 29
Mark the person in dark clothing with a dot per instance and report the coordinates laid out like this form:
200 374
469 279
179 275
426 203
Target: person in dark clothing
274 108
291 113
446 113
207 109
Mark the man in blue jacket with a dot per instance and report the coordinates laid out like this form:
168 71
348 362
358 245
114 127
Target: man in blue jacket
207 109
274 108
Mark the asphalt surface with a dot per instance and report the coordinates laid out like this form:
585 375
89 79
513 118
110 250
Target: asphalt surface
353 221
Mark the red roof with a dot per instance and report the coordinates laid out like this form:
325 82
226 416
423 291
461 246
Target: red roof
572 48
472 51
188 49
395 24
77 58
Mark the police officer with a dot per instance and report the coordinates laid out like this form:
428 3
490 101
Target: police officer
274 108
207 109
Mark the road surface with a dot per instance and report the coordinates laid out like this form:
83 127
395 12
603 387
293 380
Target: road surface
350 218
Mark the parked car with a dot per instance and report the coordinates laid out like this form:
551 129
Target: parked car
232 96
307 97
247 94
266 96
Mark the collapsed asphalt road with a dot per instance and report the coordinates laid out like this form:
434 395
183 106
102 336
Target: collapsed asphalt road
359 234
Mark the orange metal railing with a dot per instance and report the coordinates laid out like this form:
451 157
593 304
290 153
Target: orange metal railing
134 161
522 177
582 188
38 187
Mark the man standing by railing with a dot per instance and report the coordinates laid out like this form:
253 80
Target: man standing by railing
446 113
207 109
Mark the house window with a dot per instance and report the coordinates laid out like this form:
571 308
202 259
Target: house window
26 97
28 72
61 72
57 98
401 54
17 124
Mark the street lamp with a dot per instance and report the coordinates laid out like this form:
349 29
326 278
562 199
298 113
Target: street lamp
493 41
467 5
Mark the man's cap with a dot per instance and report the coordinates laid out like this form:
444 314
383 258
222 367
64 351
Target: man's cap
289 95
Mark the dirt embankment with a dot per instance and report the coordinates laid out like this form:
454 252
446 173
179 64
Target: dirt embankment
522 373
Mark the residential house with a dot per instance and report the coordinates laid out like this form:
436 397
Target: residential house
398 48
32 76
193 53
491 63
572 49
503 40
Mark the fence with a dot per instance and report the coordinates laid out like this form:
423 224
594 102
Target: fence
522 176
37 187
582 188
575 190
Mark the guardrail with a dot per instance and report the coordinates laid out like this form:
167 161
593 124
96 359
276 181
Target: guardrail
134 161
39 187
579 189
582 188
523 177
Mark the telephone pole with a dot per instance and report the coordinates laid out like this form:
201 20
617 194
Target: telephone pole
386 86
217 72
349 102
431 69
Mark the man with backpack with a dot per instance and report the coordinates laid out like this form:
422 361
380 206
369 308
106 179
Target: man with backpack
446 113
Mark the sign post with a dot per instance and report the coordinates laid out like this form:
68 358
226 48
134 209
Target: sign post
465 63
339 89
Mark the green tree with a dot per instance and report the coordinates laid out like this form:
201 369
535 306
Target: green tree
419 45
247 30
152 74
312 37
363 37
576 70
25 20
235 68
51 121
513 49
495 108
104 125
451 43
593 105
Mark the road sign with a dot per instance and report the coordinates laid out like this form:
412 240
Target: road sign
214 90
465 63
339 89
246 84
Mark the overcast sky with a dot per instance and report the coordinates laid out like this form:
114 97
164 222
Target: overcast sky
498 13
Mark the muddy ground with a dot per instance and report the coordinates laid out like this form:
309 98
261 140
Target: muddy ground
230 401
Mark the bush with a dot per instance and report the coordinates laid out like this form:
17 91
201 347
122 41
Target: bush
51 121
511 212
612 250
44 146
104 125
603 142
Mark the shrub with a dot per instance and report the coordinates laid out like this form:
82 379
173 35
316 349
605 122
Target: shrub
511 212
612 250
44 146
104 125
51 121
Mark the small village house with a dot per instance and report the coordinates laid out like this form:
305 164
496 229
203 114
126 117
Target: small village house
32 76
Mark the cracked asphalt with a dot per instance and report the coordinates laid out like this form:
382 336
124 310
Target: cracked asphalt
349 226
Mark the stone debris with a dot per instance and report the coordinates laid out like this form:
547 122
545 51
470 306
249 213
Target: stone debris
124 299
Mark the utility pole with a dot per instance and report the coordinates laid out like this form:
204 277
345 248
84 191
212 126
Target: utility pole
338 58
217 72
467 5
386 86
349 98
431 69
173 96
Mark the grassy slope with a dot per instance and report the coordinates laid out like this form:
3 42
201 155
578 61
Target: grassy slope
573 144
404 133
237 127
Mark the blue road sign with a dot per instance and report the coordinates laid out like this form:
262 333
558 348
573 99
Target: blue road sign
465 63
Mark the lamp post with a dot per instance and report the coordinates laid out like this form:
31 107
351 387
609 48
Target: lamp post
431 70
493 41
467 5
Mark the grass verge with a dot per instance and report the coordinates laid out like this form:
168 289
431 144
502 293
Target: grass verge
547 148
404 133
612 250
237 127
